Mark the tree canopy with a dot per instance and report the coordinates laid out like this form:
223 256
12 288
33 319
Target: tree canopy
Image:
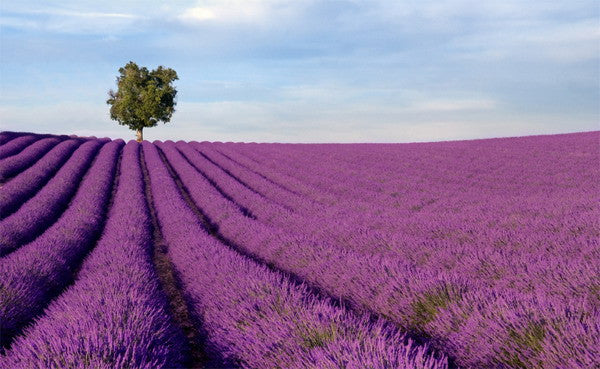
143 98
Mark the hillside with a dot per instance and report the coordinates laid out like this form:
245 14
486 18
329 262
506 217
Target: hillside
470 254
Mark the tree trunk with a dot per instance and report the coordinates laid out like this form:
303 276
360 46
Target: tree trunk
138 135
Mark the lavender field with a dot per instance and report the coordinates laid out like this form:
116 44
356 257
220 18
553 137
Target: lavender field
464 254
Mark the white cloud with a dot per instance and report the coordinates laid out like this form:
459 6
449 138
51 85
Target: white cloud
255 12
17 22
68 20
234 11
197 14
82 14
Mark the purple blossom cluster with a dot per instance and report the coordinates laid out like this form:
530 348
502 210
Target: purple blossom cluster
39 212
38 270
17 144
6 136
258 318
466 254
488 247
115 316
23 186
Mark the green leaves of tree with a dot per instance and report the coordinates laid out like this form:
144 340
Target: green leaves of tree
143 98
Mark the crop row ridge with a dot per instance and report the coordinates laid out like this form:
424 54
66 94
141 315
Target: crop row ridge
178 301
6 341
340 302
244 210
275 183
235 177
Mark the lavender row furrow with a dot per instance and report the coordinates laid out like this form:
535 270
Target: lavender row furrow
302 170
257 317
294 253
487 250
37 271
256 182
518 216
239 194
17 163
17 144
20 188
307 168
436 301
268 213
307 200
272 159
408 209
350 214
490 212
278 179
39 212
6 136
117 303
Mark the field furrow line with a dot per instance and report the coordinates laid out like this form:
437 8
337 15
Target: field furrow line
266 165
24 185
238 160
130 325
249 201
476 254
12 165
445 298
210 157
6 136
194 352
214 177
259 318
290 171
254 182
17 144
325 270
307 167
39 212
35 273
388 288
295 224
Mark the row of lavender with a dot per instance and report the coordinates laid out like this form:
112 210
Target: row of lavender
115 314
109 311
37 271
488 247
492 256
256 317
57 311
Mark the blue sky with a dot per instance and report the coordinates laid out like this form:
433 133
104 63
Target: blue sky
308 71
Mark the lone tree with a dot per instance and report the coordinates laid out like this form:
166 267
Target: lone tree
143 97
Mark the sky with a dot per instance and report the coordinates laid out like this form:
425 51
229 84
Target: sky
307 70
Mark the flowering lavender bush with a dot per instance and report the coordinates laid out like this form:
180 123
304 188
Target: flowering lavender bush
22 187
469 254
256 317
17 163
17 144
38 270
37 213
130 326
7 136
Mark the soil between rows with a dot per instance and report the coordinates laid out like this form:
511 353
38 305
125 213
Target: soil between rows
213 230
178 301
